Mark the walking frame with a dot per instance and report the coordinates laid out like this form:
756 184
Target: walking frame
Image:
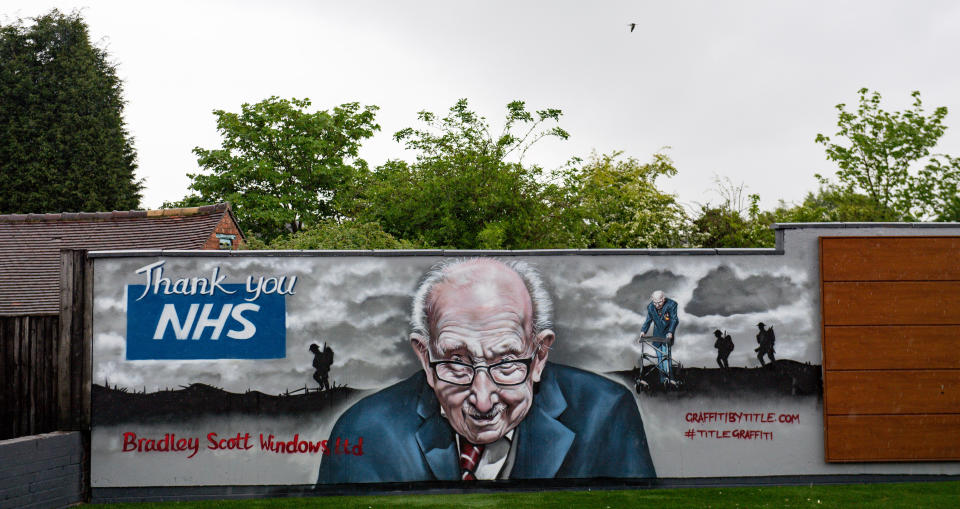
666 368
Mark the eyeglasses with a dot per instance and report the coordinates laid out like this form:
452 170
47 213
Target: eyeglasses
505 374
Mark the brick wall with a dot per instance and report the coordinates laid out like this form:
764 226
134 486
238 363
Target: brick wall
41 470
226 226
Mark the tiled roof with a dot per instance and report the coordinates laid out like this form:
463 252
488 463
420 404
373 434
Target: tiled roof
30 246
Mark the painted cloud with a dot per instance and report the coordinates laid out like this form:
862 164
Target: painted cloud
637 292
722 293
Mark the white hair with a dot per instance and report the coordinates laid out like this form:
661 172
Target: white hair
657 295
539 298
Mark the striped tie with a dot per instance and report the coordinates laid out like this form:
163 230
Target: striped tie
469 458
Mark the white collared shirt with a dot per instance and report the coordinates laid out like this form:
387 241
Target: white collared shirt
497 459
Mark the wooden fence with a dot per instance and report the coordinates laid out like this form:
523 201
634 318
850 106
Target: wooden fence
28 392
45 360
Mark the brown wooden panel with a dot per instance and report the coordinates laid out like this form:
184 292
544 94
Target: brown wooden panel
890 258
893 438
892 392
896 347
891 303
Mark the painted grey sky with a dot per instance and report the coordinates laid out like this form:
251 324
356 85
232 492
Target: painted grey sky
736 89
361 307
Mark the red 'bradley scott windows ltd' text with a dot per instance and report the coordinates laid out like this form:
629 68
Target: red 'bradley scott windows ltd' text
170 442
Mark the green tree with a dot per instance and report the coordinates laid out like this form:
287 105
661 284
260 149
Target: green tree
832 204
468 188
886 157
282 167
737 221
63 142
331 234
614 202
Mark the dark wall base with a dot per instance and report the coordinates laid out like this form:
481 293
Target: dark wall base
184 493
42 470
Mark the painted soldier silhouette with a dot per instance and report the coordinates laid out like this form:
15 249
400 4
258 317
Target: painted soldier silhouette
322 360
766 339
724 345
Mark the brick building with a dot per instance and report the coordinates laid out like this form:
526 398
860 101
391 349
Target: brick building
30 245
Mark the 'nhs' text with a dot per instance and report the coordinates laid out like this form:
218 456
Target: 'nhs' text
221 320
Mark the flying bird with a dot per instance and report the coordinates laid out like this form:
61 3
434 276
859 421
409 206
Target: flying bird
632 26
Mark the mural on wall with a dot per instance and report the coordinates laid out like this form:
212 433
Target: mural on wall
222 371
482 333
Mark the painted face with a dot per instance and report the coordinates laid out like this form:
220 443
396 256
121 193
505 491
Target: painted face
481 315
658 302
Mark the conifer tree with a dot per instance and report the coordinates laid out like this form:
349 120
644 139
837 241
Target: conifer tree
63 143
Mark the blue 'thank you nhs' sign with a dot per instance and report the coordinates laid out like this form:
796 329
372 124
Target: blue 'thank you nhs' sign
214 325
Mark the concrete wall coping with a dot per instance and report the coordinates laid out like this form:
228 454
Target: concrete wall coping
436 252
779 229
811 226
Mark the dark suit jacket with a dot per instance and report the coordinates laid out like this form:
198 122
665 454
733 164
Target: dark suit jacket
580 425
661 324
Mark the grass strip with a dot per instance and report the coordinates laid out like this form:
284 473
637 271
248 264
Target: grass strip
906 495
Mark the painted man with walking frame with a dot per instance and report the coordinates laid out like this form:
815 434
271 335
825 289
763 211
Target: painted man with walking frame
662 313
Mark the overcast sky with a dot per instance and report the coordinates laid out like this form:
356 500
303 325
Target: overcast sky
735 89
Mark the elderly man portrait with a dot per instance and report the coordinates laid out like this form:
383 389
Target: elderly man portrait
487 404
